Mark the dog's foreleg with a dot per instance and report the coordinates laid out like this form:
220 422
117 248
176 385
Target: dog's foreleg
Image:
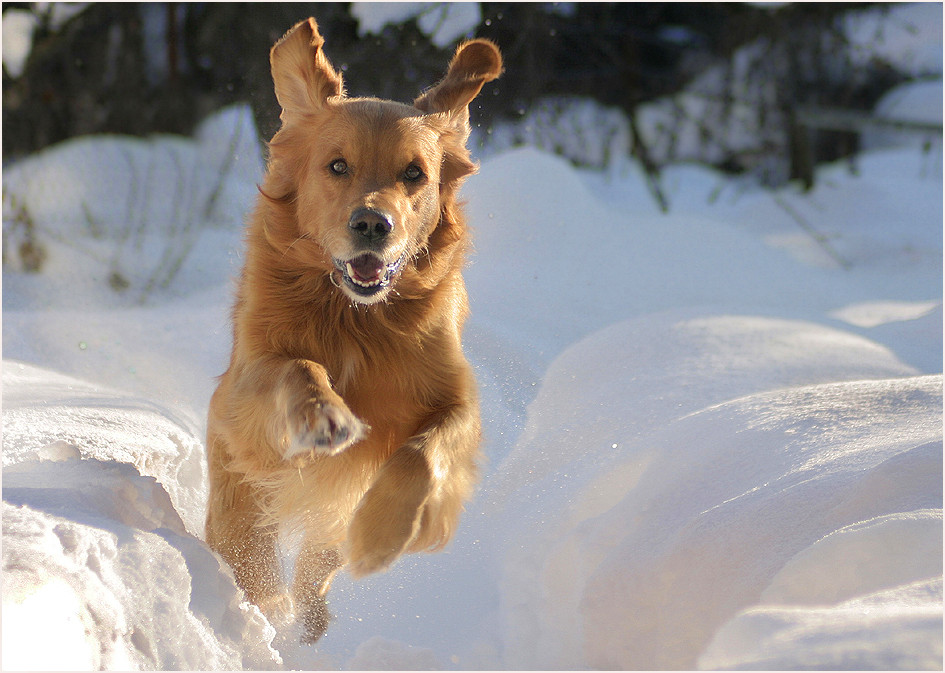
275 413
315 568
417 496
234 531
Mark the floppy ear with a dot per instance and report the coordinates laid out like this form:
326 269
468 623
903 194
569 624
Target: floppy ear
303 77
475 63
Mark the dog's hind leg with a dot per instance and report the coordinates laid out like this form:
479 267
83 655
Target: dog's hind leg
234 531
314 570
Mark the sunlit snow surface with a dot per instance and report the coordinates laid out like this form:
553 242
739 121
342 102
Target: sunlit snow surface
710 442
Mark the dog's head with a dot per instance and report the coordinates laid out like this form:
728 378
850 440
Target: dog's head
368 178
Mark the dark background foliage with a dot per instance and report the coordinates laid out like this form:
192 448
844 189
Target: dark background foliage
92 74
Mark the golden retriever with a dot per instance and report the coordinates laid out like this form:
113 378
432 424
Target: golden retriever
348 407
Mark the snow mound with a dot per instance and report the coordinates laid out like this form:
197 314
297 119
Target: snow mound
641 529
898 629
109 594
96 555
49 418
670 365
915 101
118 217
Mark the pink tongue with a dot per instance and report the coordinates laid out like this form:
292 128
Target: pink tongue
367 267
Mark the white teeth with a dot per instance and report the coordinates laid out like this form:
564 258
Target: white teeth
354 279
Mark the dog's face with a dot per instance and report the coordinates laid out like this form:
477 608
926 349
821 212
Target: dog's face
368 177
372 191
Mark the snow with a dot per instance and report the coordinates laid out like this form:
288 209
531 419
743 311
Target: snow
914 101
18 27
908 36
714 436
682 527
853 635
444 22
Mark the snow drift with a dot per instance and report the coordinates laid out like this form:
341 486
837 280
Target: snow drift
644 528
97 558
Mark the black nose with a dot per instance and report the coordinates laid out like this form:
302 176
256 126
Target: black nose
372 224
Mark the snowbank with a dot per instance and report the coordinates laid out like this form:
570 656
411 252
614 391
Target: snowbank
120 217
639 529
50 417
714 437
96 556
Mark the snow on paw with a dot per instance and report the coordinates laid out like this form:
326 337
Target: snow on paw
315 620
278 609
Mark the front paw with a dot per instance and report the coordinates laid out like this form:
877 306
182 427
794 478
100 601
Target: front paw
323 428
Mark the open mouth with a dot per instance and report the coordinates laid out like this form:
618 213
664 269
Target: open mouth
367 274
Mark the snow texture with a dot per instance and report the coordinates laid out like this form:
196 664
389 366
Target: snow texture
18 27
713 436
444 22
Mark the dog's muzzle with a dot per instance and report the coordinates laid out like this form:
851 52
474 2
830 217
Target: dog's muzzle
367 274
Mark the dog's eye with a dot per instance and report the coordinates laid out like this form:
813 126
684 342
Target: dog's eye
338 166
413 173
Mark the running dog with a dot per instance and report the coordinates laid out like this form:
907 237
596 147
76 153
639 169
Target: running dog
348 408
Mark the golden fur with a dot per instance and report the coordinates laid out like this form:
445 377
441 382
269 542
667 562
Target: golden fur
348 405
